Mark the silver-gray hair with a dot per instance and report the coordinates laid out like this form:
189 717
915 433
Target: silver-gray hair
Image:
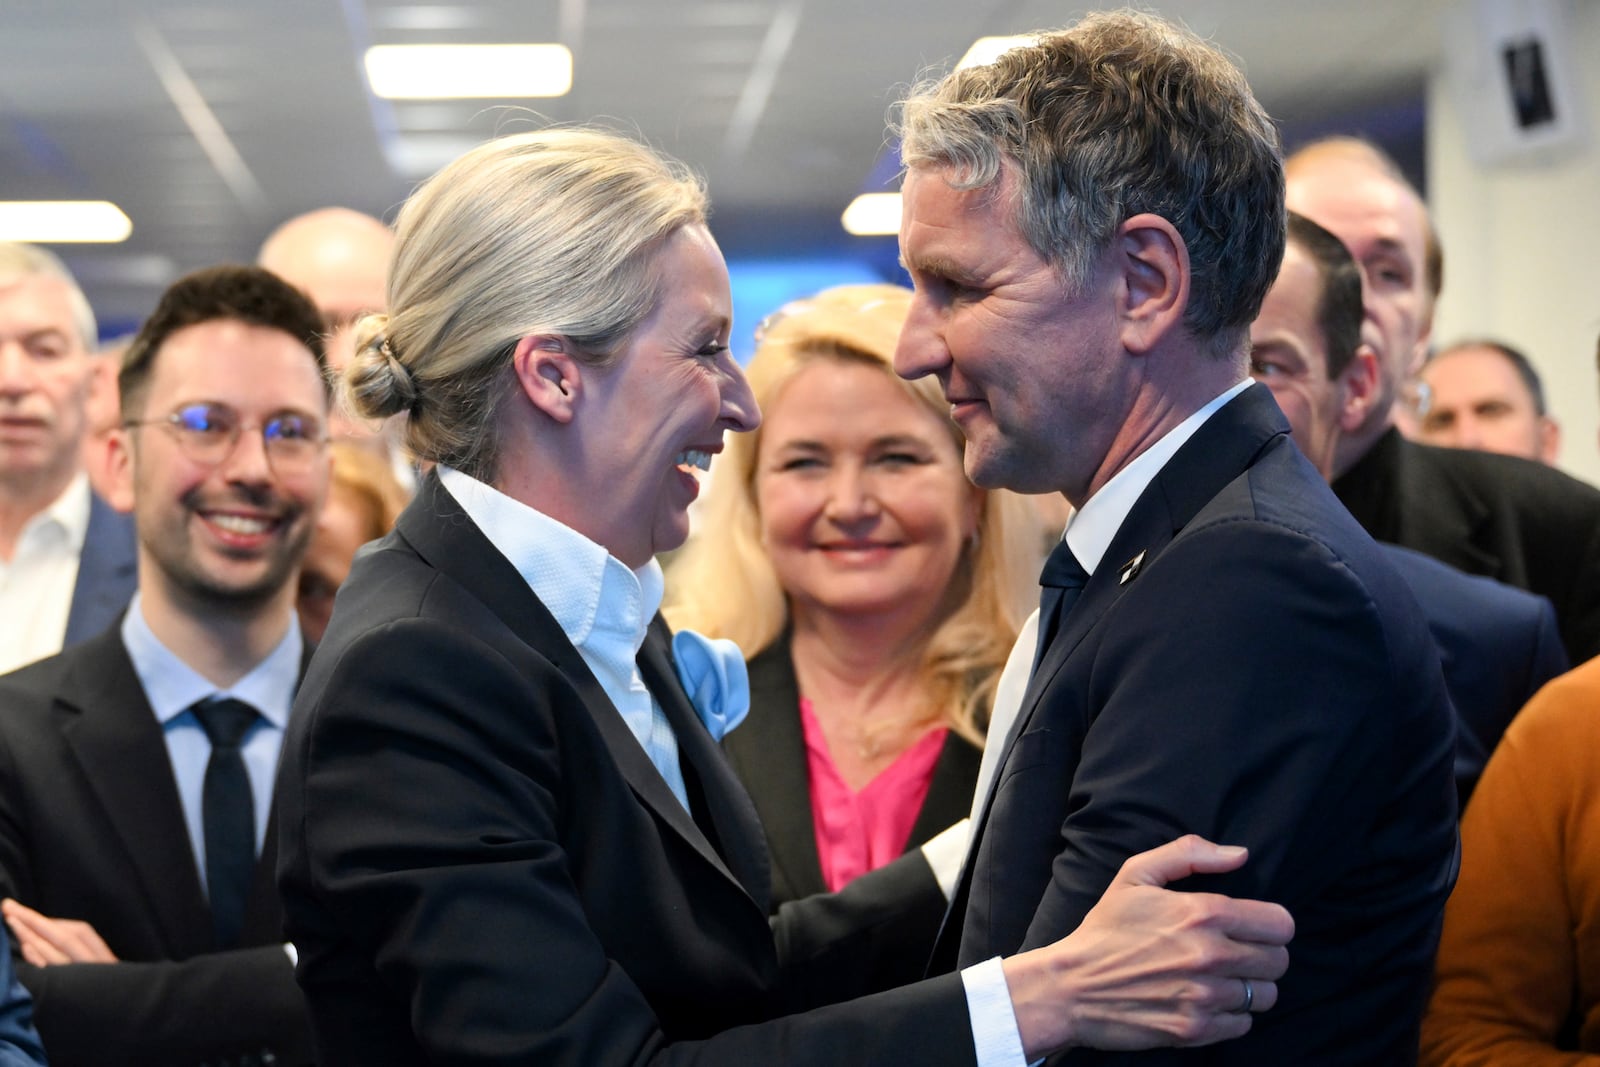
19 261
1118 115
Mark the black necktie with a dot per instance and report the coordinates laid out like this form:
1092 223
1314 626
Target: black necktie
228 814
1062 579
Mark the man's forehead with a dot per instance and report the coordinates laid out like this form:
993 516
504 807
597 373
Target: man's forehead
1476 366
939 219
37 302
1343 193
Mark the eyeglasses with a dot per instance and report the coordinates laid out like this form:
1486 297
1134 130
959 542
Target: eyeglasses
208 434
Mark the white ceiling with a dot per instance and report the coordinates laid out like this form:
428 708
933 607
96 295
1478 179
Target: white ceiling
208 123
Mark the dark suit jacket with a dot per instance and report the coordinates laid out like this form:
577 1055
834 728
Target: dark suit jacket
480 864
1262 677
91 828
768 752
1497 645
108 572
1513 520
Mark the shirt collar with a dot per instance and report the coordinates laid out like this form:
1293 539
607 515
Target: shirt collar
571 575
1091 527
68 513
172 686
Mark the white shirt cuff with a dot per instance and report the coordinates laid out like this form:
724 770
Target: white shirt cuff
945 852
994 1023
293 953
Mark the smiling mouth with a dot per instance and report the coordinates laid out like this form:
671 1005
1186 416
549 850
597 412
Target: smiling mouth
241 525
693 458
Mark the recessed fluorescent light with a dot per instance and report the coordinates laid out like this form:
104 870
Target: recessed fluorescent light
873 215
459 71
988 49
63 221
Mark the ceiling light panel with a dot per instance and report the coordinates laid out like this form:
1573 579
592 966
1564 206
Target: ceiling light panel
469 71
63 221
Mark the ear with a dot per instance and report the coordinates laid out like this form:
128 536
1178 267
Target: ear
1358 388
548 375
119 446
1549 439
1152 264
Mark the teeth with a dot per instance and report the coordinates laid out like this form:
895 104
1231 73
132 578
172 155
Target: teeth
690 457
240 524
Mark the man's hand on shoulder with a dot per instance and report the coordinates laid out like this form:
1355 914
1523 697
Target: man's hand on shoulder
46 942
1150 967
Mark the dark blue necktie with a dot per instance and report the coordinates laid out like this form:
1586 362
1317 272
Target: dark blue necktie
228 815
1062 579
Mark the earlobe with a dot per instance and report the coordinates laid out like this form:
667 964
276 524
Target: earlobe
548 375
1360 386
1153 265
120 491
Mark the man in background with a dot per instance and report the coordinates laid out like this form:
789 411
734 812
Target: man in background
1516 521
136 769
1497 645
66 557
340 259
1487 395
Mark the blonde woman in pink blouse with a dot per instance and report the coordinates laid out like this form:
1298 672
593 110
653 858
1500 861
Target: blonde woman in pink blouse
874 589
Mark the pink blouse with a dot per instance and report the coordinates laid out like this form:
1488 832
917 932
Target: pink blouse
859 832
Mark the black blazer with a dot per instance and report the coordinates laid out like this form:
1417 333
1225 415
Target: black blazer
108 572
91 828
480 864
1497 646
1513 520
768 752
1246 666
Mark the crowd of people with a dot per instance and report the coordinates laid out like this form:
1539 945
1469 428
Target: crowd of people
371 697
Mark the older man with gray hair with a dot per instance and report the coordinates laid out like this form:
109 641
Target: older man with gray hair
67 560
1091 224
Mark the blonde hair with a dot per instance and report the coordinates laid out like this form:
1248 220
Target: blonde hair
723 582
547 232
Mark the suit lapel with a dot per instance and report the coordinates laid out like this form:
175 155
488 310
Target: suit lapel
442 533
733 817
1222 448
113 733
770 749
1218 452
1455 528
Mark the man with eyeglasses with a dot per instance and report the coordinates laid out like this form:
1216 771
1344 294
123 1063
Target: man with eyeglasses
67 563
136 769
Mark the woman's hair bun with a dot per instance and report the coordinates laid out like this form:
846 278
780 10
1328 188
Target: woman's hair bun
377 383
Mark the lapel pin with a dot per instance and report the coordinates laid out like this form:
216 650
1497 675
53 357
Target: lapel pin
1130 569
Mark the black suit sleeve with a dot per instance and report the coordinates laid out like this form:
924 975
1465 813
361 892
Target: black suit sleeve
874 934
225 1005
1249 692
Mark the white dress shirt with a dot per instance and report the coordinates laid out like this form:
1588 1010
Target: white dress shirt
173 687
36 585
601 604
1089 533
